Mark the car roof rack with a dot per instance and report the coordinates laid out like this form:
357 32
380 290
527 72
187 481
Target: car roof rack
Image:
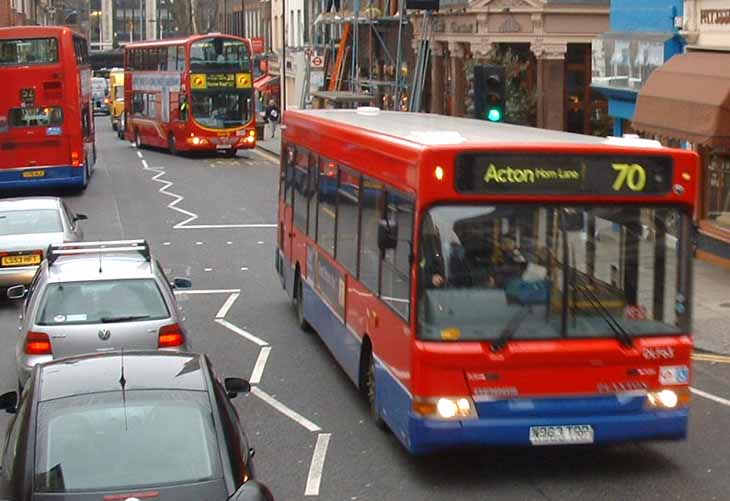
83 248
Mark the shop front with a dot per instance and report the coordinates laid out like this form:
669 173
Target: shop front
688 99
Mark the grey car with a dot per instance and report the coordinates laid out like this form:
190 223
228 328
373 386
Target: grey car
92 297
27 227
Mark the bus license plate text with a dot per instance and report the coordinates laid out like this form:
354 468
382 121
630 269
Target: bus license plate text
560 435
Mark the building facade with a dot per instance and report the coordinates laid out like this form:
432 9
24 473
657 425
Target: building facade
553 39
642 37
687 100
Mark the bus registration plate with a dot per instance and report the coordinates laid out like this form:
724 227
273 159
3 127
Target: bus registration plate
560 435
34 173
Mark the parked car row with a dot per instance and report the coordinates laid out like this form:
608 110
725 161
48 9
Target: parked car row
104 365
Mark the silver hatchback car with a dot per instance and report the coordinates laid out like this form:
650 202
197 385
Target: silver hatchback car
27 227
92 297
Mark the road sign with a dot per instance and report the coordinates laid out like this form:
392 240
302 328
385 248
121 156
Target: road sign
317 62
309 52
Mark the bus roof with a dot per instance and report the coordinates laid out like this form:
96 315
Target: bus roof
427 129
178 41
33 31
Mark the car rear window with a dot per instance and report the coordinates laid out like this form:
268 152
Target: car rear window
19 222
106 442
102 301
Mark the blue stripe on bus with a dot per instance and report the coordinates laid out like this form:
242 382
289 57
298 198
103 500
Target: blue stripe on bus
54 177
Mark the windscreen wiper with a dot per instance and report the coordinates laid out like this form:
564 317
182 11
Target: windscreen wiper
510 329
618 330
128 318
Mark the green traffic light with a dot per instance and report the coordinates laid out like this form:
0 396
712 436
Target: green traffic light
494 115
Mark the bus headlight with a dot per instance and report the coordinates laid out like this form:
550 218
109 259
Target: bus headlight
448 408
668 399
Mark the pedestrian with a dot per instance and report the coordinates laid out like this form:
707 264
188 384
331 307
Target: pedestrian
271 115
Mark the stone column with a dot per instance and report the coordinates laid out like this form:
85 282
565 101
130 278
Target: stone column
436 104
457 52
550 84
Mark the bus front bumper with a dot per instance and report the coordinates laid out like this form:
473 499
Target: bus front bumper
429 435
41 177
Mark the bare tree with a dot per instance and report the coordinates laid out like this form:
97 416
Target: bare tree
196 16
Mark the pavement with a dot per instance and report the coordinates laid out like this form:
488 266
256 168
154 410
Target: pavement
711 289
212 219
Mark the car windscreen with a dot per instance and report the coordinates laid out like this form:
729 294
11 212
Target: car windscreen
102 301
20 222
111 440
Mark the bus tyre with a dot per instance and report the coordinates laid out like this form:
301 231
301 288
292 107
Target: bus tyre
172 144
137 139
299 304
371 392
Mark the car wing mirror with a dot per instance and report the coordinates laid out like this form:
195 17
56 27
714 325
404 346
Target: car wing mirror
9 402
181 283
253 491
80 217
236 385
387 234
17 292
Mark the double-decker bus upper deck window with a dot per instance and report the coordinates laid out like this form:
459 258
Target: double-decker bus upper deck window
28 51
180 57
219 54
172 59
540 272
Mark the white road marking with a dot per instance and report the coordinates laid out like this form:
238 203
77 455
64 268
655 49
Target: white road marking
185 226
293 415
261 242
241 332
710 396
145 164
207 269
317 465
207 291
166 243
258 369
243 268
198 243
229 243
139 154
227 305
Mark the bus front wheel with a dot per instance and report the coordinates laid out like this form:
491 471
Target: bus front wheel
371 391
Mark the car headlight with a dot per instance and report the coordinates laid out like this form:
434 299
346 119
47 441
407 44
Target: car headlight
447 408
668 398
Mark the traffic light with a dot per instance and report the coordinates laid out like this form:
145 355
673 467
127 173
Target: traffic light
490 92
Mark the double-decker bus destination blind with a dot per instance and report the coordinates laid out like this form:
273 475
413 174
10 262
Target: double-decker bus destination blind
563 174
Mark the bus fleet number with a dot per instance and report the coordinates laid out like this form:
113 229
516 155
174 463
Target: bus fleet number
631 175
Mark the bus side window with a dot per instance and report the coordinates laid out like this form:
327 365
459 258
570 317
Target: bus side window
313 195
301 182
372 199
395 281
288 172
348 212
327 222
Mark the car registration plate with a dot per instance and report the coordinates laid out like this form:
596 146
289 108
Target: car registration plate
22 260
561 435
223 146
34 173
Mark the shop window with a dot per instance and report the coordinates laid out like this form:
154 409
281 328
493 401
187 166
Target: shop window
718 190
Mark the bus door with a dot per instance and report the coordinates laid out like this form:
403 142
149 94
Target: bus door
286 186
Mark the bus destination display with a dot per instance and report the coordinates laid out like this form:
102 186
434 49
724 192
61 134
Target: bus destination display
221 80
563 174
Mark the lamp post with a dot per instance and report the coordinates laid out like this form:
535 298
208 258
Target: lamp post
283 58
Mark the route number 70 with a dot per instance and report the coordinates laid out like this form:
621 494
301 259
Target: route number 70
632 176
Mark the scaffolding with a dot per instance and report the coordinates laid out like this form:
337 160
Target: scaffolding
342 55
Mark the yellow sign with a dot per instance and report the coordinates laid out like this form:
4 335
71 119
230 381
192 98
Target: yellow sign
198 81
34 173
221 80
243 80
24 260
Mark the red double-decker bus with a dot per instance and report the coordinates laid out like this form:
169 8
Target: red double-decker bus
46 121
192 94
487 284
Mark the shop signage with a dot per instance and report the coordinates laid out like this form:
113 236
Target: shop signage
715 16
257 44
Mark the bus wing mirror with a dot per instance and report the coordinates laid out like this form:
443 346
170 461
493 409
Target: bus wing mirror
571 220
387 234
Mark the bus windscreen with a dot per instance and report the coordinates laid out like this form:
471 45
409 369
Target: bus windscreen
540 174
